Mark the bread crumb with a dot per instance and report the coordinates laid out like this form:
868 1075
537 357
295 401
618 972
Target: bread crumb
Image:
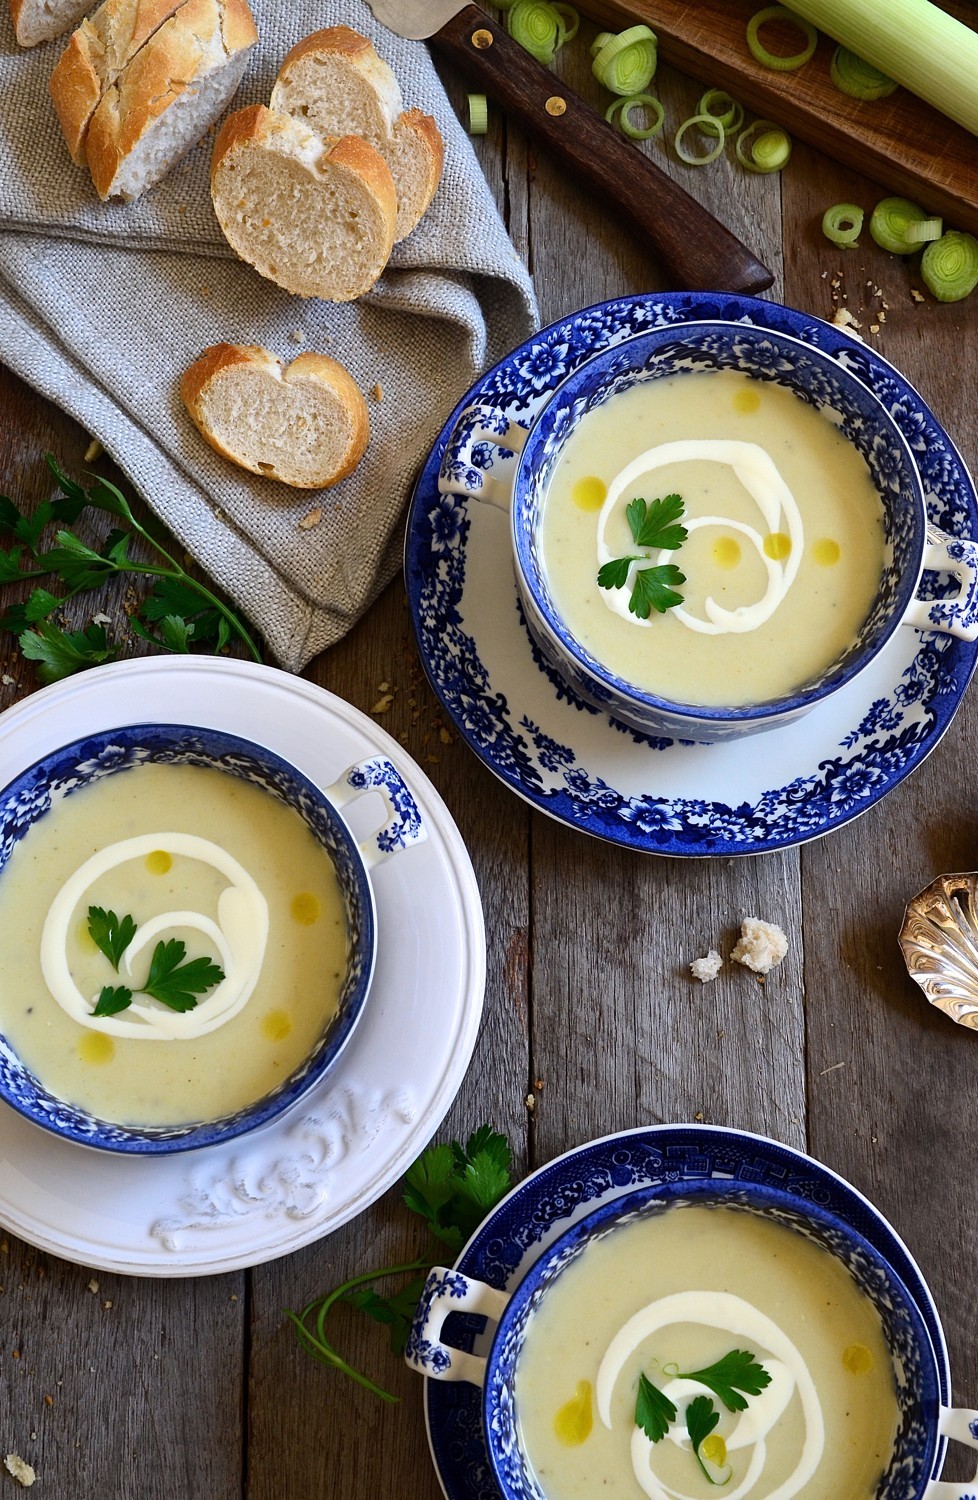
312 519
8 681
842 318
530 1101
93 1285
705 969
761 947
101 619
916 295
297 336
93 451
378 391
20 1469
383 704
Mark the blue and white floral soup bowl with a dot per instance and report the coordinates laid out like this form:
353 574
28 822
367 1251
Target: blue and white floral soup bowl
490 458
62 773
922 1424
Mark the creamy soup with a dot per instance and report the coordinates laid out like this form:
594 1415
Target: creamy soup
192 855
668 1296
785 545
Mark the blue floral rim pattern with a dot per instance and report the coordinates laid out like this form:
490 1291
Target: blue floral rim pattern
547 1203
891 738
72 767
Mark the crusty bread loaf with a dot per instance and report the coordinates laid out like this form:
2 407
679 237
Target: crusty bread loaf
305 423
168 95
315 216
95 56
40 20
334 82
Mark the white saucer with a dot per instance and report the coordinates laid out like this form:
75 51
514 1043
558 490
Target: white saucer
346 1143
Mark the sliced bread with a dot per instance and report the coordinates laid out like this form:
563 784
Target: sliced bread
334 82
168 95
95 56
304 424
315 216
40 20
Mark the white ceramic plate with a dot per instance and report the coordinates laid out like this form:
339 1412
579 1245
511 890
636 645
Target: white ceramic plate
348 1141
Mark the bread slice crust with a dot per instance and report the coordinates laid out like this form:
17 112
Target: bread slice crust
329 428
336 235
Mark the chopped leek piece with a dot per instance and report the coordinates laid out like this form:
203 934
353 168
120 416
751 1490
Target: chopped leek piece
842 224
949 266
478 114
620 112
626 63
538 27
718 104
599 41
856 77
772 59
763 147
924 231
570 18
914 42
890 221
708 126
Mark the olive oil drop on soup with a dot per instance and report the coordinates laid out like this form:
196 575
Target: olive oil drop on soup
192 854
679 1291
785 545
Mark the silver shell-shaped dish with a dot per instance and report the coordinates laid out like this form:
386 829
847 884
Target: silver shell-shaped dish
939 940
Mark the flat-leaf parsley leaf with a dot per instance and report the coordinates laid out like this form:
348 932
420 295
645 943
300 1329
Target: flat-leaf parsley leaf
654 1412
735 1372
701 1418
653 524
110 933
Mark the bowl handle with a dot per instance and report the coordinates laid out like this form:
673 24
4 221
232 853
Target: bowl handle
961 1426
958 615
446 1292
404 825
463 467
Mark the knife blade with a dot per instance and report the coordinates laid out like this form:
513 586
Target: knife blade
695 249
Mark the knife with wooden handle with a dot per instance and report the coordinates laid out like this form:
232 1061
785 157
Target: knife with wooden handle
696 250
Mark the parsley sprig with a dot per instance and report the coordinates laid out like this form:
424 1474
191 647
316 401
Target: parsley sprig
178 614
452 1187
170 980
736 1375
653 526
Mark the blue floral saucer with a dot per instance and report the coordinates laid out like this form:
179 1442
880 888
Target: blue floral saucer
586 769
542 1207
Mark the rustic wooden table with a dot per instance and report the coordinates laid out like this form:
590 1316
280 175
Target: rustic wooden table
197 1389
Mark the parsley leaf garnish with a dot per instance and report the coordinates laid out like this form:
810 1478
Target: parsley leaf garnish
179 613
737 1371
110 933
654 1412
452 1187
175 983
653 525
701 1418
112 999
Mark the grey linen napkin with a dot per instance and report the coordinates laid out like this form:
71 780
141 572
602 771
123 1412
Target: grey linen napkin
102 307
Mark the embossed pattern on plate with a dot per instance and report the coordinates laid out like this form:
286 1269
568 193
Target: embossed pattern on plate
589 771
331 1155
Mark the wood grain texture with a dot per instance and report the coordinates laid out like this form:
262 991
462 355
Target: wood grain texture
198 1389
900 141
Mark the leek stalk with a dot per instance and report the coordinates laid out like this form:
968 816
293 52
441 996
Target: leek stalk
912 42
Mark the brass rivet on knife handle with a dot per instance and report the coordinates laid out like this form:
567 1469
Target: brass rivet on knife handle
694 249
555 105
482 38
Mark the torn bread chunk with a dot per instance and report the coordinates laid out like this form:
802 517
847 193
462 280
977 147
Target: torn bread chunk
761 946
334 82
168 95
40 20
705 969
315 216
304 424
95 56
